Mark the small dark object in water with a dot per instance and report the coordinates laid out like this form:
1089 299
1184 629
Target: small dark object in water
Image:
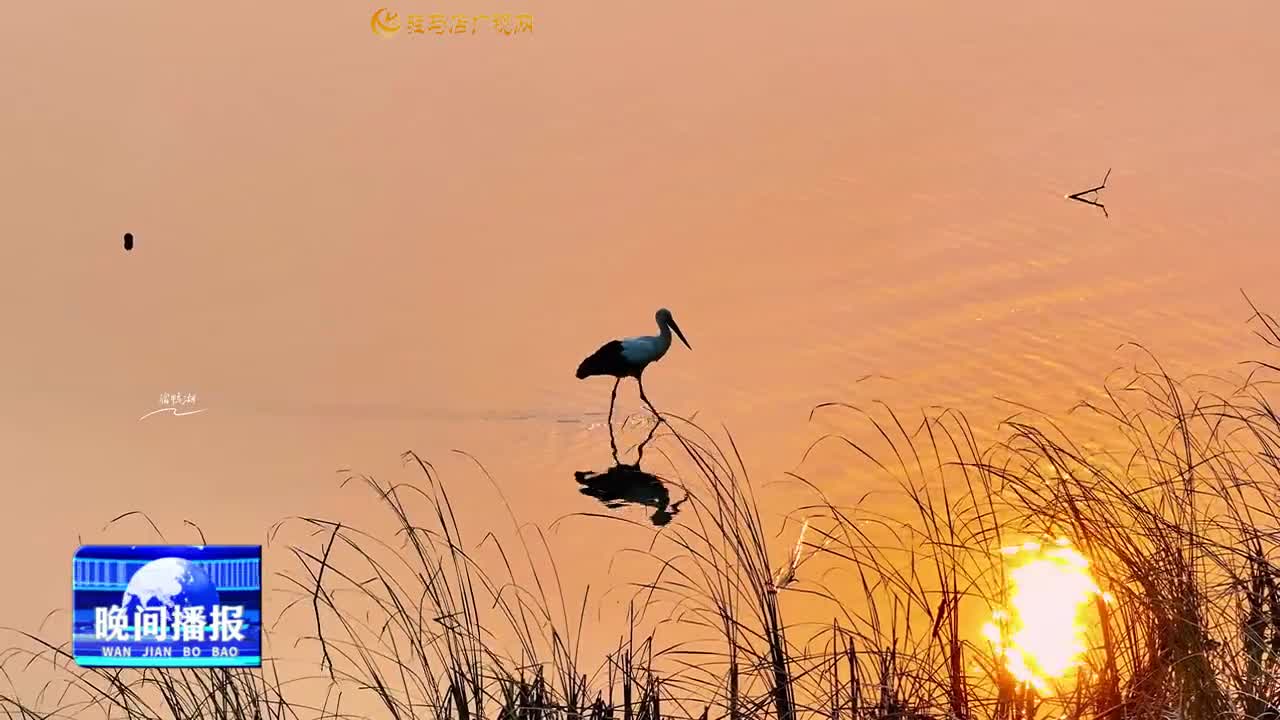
128 241
1080 196
623 485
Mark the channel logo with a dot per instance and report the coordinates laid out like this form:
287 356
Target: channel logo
167 606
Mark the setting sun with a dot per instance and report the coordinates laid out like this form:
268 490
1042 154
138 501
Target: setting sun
1040 636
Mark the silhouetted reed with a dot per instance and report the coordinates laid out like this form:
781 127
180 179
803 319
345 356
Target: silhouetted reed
869 613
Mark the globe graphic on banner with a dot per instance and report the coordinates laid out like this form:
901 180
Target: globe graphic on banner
169 582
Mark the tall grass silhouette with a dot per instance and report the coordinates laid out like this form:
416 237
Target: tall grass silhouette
864 614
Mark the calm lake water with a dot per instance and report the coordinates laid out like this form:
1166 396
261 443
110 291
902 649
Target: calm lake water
349 246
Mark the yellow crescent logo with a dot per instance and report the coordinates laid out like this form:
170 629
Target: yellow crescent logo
385 22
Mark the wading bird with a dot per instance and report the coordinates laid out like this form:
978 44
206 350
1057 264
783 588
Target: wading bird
630 356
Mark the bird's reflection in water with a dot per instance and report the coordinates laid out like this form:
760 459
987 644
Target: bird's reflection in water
626 484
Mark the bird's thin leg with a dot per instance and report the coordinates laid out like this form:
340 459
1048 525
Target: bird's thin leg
640 452
613 397
646 399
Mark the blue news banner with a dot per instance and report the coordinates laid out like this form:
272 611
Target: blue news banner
167 606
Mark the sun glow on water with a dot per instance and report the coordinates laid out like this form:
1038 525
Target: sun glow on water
1040 637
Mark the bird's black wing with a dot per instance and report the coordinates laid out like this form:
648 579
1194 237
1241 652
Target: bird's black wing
608 360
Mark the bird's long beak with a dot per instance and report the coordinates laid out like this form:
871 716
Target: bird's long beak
680 335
